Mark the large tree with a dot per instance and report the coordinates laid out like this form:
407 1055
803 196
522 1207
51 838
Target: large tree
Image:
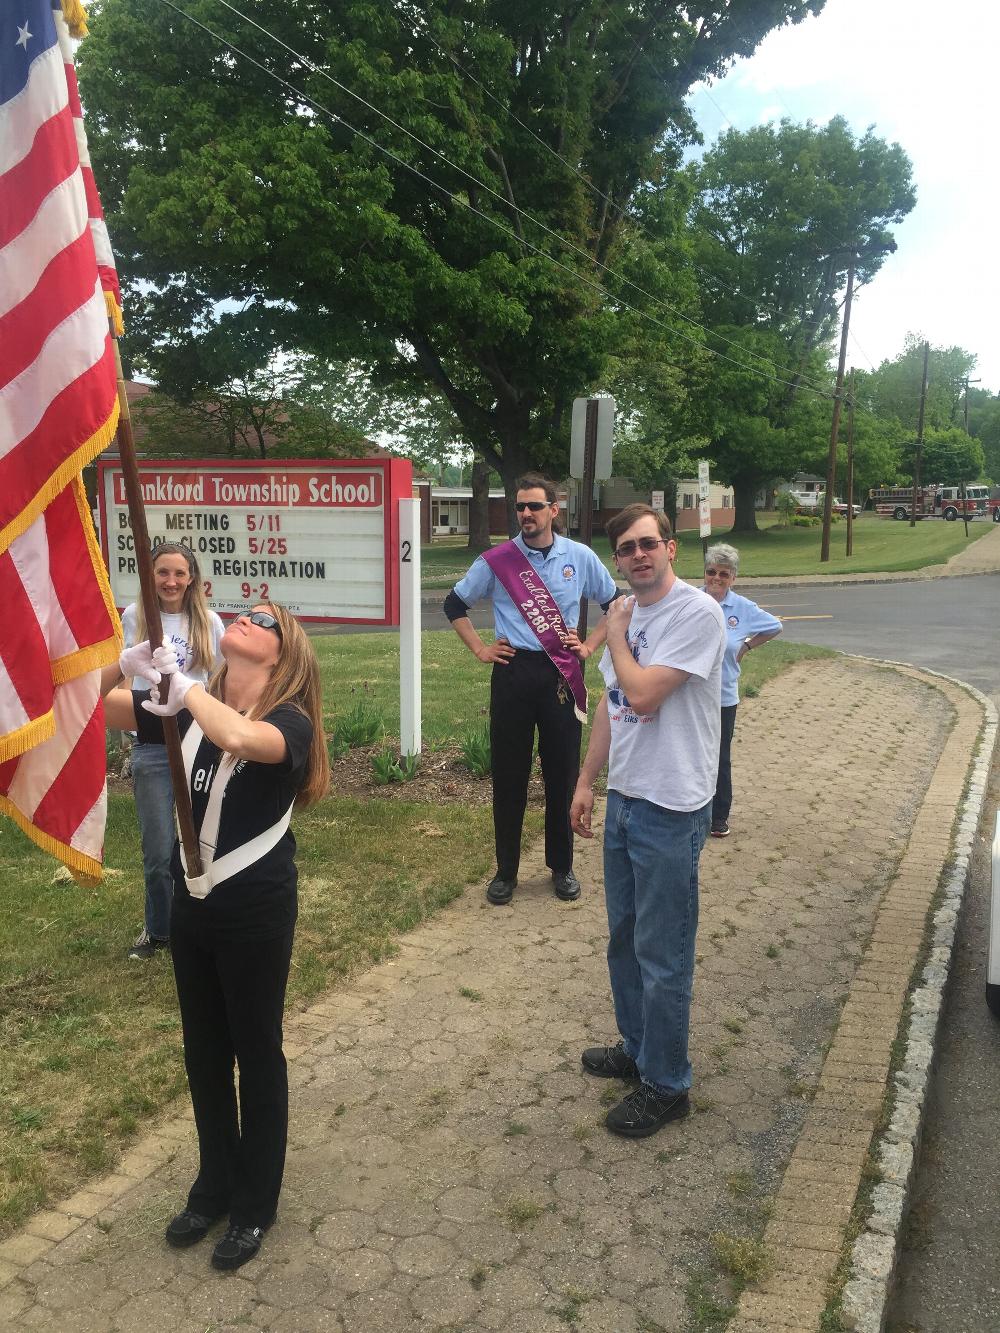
481 281
893 390
984 424
781 211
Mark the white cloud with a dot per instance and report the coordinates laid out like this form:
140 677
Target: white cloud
925 78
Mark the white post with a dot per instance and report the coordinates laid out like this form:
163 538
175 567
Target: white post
408 556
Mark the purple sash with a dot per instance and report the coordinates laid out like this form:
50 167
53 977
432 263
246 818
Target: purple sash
528 592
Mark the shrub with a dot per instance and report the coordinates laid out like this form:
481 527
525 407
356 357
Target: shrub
476 751
389 767
361 725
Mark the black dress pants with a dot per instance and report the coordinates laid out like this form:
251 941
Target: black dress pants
525 695
723 801
232 998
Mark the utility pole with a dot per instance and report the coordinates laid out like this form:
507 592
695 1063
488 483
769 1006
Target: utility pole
920 437
850 466
831 466
965 508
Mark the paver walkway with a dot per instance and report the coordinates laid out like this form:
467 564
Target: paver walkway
448 1168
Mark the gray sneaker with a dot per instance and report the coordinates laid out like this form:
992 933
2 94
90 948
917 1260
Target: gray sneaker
145 946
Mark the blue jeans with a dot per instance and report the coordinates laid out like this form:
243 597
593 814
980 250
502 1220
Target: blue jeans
154 804
651 887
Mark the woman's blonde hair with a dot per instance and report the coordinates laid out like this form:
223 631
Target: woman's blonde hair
294 680
195 608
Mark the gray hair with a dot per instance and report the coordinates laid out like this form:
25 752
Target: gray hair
723 554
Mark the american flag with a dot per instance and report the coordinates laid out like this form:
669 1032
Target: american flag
58 410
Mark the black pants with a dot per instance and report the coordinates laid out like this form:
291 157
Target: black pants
524 695
723 801
232 996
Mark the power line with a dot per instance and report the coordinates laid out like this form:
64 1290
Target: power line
457 199
622 212
508 202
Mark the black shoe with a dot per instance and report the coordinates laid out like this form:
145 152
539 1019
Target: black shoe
145 946
237 1247
188 1228
720 828
609 1062
645 1110
566 885
499 891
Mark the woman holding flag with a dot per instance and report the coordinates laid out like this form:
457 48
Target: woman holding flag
253 748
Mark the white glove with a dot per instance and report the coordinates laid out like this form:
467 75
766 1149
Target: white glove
138 661
179 686
165 661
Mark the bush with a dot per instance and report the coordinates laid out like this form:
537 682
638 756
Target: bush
786 504
476 751
388 767
362 725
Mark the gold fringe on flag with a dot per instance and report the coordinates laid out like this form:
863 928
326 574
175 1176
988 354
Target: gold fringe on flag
67 472
76 18
84 869
114 313
27 737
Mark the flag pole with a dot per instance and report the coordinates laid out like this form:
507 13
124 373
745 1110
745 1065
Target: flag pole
151 608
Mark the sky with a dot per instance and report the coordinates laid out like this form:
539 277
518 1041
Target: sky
926 76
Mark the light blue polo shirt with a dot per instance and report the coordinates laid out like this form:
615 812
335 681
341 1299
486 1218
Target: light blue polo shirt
743 619
571 572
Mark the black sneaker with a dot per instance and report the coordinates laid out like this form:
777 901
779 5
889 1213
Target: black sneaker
566 885
609 1062
499 891
187 1228
720 828
237 1247
145 946
645 1110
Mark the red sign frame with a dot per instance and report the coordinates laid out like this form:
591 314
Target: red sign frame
396 476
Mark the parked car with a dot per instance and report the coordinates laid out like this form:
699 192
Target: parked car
840 507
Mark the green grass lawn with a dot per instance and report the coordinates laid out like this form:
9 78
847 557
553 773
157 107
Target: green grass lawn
880 544
91 1042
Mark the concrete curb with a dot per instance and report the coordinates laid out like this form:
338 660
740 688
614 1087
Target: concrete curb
876 1250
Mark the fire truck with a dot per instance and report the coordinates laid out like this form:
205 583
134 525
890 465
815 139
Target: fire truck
932 501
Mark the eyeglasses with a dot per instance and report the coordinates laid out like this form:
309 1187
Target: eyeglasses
533 505
625 550
718 573
264 620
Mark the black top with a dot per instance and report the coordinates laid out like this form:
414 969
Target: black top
261 899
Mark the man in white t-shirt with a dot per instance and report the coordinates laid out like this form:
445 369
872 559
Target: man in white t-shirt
657 728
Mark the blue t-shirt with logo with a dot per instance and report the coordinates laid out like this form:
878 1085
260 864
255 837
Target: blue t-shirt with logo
571 571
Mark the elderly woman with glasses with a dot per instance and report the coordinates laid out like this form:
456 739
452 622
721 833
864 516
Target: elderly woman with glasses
747 627
253 747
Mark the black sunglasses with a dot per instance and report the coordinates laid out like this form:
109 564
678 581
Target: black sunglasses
647 544
264 620
533 505
719 573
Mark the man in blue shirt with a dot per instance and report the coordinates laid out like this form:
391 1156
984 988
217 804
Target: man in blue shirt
527 691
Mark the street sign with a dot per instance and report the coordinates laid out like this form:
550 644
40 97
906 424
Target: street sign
704 502
578 437
656 501
322 538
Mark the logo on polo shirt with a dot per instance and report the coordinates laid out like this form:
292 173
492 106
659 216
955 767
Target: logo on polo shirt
569 571
733 621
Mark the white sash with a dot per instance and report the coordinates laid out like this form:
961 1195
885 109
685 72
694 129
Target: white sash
215 871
